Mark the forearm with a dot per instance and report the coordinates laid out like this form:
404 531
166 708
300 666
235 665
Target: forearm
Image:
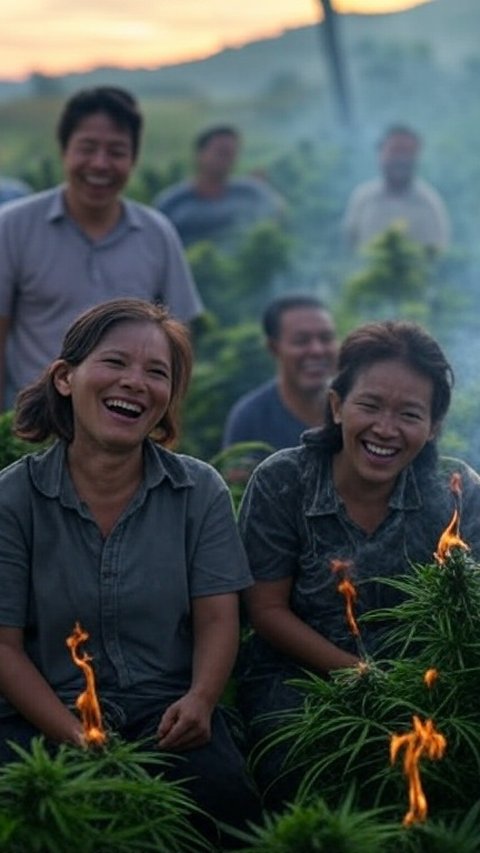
31 695
215 649
288 634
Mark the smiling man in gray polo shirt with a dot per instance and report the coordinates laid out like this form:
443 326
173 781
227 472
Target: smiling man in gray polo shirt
71 247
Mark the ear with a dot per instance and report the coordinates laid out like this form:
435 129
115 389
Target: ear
335 406
61 374
434 431
272 347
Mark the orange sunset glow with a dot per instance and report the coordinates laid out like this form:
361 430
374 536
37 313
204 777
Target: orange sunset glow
56 36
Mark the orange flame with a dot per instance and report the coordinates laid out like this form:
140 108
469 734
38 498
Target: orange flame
422 740
449 539
87 702
347 589
430 677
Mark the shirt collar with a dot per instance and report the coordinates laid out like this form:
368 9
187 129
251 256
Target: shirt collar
57 210
321 497
50 476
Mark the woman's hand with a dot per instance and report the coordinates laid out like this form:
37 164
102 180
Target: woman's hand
186 724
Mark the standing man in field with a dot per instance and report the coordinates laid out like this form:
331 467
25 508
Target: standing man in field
300 334
214 205
397 196
71 247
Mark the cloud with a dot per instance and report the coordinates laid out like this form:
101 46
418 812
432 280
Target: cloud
60 35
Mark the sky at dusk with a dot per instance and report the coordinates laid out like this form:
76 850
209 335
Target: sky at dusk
55 36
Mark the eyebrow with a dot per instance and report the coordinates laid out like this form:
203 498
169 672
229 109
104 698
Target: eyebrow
416 404
114 351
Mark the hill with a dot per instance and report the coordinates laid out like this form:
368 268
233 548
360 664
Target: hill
447 31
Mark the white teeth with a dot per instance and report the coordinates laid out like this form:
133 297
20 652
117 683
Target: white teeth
380 451
98 182
122 404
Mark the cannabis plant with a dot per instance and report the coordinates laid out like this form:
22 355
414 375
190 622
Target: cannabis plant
312 827
112 800
341 736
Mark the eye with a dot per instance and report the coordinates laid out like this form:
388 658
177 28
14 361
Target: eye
412 416
160 371
369 407
112 360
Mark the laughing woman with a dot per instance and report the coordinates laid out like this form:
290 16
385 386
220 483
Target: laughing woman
369 489
138 544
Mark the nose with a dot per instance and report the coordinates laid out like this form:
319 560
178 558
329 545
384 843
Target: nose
133 378
99 158
385 424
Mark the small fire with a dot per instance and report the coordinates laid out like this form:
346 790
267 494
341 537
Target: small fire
423 740
87 702
347 589
430 677
450 537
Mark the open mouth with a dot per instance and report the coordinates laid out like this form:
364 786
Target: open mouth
132 411
378 451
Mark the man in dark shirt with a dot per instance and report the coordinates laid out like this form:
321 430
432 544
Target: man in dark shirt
214 205
301 336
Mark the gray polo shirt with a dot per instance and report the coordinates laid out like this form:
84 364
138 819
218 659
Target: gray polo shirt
131 591
51 271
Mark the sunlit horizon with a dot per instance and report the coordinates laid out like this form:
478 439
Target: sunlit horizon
57 37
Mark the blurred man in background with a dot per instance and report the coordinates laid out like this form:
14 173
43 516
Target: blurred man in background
71 247
300 334
398 196
213 205
11 188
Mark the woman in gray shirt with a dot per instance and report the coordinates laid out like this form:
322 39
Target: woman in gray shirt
139 545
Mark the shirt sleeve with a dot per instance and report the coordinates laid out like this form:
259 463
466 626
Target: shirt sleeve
179 289
14 558
218 562
267 520
238 426
7 268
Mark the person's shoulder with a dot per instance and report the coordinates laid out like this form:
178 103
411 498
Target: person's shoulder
28 206
366 190
149 218
252 187
187 471
13 188
427 192
265 392
15 481
287 463
173 194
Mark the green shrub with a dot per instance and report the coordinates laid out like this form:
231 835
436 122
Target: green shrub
93 801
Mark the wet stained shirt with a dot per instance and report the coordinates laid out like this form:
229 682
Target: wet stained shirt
293 524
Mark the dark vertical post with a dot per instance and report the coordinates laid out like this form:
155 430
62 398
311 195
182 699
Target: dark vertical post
336 59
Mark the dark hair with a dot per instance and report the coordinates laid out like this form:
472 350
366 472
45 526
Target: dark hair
41 411
203 138
390 341
117 103
272 316
399 130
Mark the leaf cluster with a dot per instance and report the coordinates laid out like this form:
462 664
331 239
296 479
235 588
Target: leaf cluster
114 800
341 735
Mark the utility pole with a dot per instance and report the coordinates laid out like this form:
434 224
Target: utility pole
336 60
